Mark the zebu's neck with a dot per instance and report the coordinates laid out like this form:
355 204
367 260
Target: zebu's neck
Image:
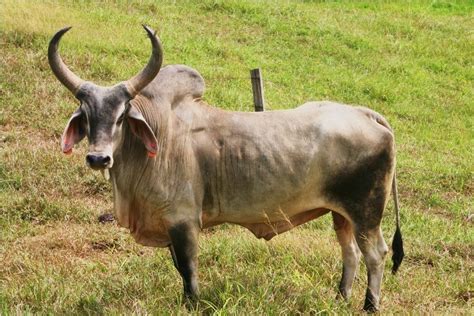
153 194
154 182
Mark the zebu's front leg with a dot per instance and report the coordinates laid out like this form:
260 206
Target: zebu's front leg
184 248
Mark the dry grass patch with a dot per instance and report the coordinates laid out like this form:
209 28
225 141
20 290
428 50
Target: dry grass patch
65 245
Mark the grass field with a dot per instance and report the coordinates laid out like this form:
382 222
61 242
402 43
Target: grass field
410 60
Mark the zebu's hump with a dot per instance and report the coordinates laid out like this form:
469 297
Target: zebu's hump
183 80
175 82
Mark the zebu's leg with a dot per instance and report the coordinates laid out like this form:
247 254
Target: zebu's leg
374 249
362 191
350 253
173 256
184 246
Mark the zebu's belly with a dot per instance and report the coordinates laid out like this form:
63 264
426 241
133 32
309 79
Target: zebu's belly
270 229
271 214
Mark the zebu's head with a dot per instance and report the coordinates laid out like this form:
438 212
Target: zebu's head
102 110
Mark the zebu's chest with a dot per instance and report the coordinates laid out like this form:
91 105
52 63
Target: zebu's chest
144 219
149 205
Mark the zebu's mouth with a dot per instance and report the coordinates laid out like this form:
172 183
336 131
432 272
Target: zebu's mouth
99 168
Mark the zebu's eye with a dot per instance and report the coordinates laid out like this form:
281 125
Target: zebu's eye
122 116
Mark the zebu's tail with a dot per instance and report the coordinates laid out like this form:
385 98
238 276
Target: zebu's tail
397 243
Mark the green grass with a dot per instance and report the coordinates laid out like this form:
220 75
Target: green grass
410 60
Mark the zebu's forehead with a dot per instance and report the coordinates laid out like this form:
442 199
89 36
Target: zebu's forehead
104 101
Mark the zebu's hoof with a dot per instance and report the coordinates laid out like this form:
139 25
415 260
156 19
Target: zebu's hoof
343 295
369 306
191 302
106 218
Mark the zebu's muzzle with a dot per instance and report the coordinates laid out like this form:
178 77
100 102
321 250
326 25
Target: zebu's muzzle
99 161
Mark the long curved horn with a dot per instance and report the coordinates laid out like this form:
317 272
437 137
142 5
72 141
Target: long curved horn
142 79
59 68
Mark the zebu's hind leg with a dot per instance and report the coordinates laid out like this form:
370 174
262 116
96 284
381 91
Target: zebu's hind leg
350 253
374 249
362 190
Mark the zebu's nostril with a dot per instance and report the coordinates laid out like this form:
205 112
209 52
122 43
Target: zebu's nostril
106 159
98 161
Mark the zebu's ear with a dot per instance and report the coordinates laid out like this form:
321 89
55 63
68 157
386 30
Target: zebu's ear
74 132
142 130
